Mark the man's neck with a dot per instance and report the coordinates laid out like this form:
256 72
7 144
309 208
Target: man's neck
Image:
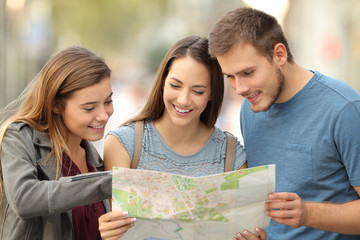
296 77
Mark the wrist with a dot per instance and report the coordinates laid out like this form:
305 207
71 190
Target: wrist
309 212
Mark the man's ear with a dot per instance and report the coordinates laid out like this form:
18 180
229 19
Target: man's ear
280 54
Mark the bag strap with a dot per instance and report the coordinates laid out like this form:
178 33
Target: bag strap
230 152
139 132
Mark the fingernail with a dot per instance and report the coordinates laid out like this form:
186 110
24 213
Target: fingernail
257 229
125 213
133 219
238 235
246 232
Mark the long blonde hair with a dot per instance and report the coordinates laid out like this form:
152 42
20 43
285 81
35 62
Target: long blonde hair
197 48
70 70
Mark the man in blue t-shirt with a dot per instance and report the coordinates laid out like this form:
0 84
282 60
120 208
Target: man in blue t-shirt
306 123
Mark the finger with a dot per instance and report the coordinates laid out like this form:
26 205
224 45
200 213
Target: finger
283 196
280 206
246 235
286 213
116 232
284 205
110 216
115 224
239 236
262 233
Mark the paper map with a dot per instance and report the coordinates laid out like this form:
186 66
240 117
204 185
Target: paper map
168 206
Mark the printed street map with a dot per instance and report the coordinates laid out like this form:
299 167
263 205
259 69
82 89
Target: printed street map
168 206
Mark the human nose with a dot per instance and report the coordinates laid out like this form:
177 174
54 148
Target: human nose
183 98
240 86
105 113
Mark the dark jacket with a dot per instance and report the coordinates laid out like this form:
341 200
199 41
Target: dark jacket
35 205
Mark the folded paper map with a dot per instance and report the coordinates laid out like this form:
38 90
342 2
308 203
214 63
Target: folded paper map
169 206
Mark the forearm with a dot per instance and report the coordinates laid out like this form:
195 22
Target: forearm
34 198
342 217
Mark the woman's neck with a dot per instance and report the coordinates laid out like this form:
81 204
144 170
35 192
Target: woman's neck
77 154
183 139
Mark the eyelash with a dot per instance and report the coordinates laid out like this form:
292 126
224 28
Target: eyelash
248 73
176 86
92 108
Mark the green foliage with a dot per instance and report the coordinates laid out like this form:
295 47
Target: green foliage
104 25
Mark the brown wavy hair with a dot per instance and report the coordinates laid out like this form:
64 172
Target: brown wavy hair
197 48
70 70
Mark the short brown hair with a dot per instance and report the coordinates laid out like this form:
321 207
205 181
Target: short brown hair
247 25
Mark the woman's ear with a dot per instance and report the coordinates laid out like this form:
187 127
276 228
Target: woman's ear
58 108
280 54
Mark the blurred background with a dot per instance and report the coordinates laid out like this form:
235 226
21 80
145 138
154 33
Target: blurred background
133 37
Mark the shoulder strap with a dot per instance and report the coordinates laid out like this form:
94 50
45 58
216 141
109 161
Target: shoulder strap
230 152
139 132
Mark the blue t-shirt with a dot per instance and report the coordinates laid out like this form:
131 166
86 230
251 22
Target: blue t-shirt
156 155
314 140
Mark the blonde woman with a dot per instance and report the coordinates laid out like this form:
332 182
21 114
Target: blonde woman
46 142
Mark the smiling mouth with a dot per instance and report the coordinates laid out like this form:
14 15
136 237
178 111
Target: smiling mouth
97 127
182 110
253 97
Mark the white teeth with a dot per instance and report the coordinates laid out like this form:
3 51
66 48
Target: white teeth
182 110
98 127
252 96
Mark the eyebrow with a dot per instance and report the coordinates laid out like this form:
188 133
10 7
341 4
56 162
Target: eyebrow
196 85
89 103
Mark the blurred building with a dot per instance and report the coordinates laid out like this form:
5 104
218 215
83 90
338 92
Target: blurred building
26 43
325 35
133 37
